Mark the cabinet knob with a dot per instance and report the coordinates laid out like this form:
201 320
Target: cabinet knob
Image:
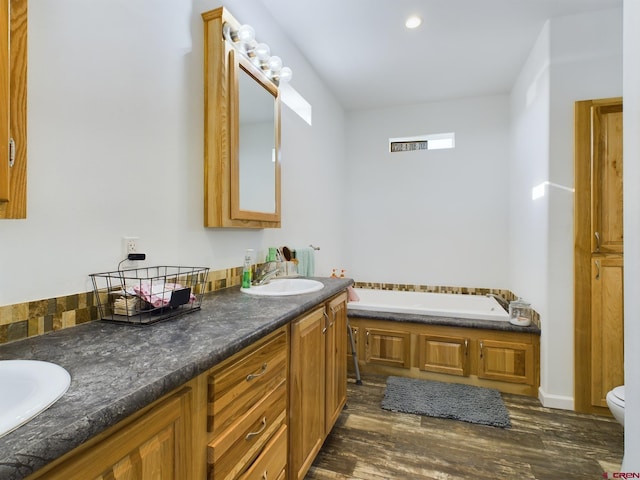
481 348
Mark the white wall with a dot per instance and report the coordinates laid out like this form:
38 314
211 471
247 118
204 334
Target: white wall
631 174
568 63
528 167
115 106
435 217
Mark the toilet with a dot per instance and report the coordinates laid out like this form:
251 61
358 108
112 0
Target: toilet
615 401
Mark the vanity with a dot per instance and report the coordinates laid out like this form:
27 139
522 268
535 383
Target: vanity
220 393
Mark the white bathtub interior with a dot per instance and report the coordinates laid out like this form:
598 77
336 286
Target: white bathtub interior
478 307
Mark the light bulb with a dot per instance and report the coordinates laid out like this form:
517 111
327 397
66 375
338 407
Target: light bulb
285 75
413 21
275 64
262 51
246 34
250 48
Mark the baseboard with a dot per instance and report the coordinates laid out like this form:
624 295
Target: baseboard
555 401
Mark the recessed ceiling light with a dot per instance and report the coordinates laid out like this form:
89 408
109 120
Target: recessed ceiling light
413 21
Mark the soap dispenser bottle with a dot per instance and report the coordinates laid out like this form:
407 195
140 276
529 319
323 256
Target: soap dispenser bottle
246 270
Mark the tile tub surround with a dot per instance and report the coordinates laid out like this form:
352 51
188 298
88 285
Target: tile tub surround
31 319
506 294
118 369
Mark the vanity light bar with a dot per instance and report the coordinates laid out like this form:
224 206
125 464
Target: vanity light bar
244 41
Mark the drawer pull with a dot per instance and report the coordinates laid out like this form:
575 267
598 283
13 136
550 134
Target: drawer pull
250 435
264 475
263 370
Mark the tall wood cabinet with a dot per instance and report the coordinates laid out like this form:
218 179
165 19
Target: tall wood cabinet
318 380
599 253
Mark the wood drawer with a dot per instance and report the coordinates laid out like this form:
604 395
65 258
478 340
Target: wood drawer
236 387
233 450
271 463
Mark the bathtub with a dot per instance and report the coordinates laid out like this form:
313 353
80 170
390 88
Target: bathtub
477 307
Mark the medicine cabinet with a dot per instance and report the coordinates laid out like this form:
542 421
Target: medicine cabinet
242 134
13 109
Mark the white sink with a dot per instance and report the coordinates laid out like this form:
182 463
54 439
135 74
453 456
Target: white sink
27 388
280 287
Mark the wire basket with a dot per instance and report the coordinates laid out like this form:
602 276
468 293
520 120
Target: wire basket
143 296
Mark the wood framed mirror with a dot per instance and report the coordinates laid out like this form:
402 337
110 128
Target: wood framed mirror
242 134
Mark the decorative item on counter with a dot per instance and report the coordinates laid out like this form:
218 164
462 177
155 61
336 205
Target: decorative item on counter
246 270
520 313
333 273
148 295
342 273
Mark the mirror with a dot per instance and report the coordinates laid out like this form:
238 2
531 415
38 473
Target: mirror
255 178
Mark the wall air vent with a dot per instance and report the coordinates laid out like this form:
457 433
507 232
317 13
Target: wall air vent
436 141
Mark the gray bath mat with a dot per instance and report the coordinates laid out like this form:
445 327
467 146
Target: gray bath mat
446 400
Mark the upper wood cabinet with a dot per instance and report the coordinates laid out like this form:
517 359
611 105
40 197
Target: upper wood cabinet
606 180
13 108
242 134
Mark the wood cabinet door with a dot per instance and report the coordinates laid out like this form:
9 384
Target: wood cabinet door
13 108
336 360
157 445
606 180
307 391
607 327
5 68
443 354
506 361
388 347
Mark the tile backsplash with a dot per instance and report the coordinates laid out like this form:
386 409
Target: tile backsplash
33 318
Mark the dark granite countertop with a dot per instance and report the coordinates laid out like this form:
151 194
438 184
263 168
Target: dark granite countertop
118 369
445 321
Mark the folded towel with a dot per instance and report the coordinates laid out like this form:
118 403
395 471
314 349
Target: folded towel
306 261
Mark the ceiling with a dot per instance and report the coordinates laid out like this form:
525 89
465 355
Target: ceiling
369 59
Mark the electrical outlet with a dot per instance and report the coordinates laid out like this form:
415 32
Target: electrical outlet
130 245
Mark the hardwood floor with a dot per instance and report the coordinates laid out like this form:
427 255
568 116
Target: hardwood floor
369 443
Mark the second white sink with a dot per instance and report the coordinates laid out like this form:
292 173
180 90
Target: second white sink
28 387
280 287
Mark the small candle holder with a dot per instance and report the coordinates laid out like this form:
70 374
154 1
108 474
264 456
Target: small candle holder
520 313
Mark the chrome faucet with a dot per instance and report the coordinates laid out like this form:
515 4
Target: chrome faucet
265 274
501 300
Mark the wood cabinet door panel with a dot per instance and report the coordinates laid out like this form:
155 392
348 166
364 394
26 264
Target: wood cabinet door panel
606 180
442 354
336 360
307 391
507 361
607 330
388 347
157 445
